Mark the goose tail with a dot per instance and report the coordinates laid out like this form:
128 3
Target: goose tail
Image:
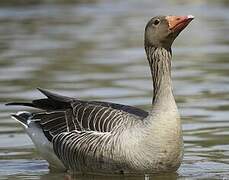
43 145
22 117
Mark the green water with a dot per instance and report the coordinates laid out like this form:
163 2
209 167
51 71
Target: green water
94 50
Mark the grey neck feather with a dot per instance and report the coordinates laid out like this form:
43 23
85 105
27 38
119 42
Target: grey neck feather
160 65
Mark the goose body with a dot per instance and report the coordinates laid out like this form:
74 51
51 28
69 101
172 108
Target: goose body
92 136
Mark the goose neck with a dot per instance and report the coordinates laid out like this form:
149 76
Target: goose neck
160 66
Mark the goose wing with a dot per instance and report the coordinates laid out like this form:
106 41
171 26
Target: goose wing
64 114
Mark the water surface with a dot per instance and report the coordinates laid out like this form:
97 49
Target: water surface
95 51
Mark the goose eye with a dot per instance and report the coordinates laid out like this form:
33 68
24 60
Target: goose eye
156 22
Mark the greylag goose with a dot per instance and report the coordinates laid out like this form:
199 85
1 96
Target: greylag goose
103 137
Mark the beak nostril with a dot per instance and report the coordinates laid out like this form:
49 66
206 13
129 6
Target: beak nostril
177 19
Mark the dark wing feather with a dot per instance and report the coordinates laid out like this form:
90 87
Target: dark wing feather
52 123
126 108
64 114
55 101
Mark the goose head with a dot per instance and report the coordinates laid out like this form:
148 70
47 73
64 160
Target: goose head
161 31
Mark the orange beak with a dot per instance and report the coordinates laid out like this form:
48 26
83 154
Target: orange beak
178 23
